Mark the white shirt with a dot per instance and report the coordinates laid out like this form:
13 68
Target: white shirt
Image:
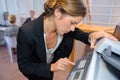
50 52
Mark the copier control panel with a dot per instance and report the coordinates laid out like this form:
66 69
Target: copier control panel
80 69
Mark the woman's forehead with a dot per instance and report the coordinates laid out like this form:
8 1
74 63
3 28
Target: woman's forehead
77 19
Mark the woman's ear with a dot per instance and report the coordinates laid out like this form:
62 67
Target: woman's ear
57 14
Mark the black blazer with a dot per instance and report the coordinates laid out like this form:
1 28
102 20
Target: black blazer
31 52
27 20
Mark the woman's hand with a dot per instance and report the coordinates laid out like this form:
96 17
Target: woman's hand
96 35
61 65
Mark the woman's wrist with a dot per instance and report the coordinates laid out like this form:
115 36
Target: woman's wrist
97 35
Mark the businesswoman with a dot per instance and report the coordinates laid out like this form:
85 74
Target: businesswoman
45 44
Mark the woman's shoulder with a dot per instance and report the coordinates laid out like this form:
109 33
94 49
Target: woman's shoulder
27 26
33 26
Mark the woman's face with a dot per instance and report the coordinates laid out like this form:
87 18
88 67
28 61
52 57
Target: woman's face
67 23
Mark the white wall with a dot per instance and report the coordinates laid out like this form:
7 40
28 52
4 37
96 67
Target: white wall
20 8
105 12
1 11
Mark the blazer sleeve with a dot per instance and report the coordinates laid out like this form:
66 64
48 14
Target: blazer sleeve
24 58
80 35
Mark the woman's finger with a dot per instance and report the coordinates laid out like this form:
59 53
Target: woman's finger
92 43
68 62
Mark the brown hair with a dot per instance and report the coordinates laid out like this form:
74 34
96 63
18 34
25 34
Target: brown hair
12 18
70 7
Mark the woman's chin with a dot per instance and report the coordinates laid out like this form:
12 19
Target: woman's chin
62 33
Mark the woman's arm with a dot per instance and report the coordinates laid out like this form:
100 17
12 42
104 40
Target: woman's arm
80 35
96 35
93 36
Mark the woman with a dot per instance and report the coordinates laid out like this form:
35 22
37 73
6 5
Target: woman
12 29
45 44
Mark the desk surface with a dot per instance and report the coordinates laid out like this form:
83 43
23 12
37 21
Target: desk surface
91 28
3 28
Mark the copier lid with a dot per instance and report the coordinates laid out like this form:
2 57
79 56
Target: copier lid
103 43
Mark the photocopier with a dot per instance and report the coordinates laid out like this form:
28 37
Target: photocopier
103 63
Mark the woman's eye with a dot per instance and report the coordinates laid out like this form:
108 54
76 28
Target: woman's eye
72 23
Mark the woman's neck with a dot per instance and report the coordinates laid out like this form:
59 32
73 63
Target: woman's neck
49 25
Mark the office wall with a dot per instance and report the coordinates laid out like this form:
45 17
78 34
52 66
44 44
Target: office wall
1 13
105 12
20 8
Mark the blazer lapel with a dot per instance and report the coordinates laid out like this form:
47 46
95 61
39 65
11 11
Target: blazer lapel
39 34
40 48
